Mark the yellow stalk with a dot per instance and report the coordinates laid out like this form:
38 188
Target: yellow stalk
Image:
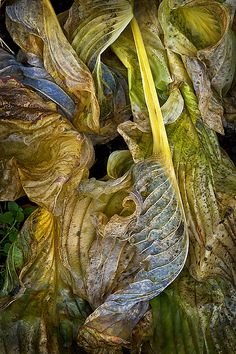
161 148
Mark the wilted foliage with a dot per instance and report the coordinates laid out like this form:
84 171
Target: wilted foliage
142 259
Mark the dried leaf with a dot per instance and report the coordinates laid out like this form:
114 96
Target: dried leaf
10 184
129 264
92 28
209 103
34 27
134 263
51 156
198 31
221 63
42 307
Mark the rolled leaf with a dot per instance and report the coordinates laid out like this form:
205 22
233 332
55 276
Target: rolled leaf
37 78
193 25
92 28
135 263
199 31
35 28
132 263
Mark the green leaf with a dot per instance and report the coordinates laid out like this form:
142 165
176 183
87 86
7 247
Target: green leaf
27 211
146 15
7 218
207 182
124 48
16 210
13 206
20 215
194 317
6 247
13 234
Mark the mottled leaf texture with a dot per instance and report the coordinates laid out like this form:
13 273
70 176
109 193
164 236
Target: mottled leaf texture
194 317
133 257
37 78
138 253
65 253
41 308
50 155
46 158
199 31
35 28
92 27
207 181
90 258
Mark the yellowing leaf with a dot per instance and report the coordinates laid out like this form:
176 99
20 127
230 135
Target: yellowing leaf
42 307
146 16
206 180
92 28
10 184
51 156
161 149
134 262
118 163
138 139
35 28
125 50
199 31
193 25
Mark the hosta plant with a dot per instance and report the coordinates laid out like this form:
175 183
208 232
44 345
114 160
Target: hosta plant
143 259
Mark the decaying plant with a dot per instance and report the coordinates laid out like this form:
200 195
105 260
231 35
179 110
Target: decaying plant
160 226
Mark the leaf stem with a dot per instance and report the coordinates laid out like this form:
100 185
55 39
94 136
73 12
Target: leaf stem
8 232
160 142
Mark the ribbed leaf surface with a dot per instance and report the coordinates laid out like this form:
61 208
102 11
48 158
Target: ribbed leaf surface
135 257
